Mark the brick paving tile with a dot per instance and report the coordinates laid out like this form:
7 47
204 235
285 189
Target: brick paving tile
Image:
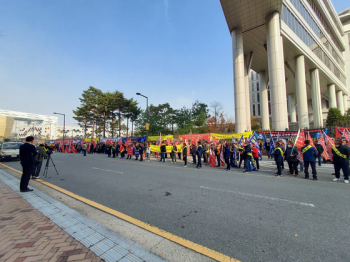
76 257
20 259
27 235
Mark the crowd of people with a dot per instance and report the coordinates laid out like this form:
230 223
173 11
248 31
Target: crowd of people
230 155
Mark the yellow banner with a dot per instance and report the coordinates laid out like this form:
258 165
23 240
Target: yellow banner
229 136
89 139
156 149
155 138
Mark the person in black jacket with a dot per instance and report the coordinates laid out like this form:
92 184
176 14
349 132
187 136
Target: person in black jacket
278 154
247 157
290 155
341 154
162 152
184 153
320 150
27 155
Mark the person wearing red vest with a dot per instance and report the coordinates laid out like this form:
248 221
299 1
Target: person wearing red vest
255 152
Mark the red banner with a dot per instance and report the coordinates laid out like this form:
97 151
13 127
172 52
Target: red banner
195 136
339 131
299 143
325 151
212 160
330 143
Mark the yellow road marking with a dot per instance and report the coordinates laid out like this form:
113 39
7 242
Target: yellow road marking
183 242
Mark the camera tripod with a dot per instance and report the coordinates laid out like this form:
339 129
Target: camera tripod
48 165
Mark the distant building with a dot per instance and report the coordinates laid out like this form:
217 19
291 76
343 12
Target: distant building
18 125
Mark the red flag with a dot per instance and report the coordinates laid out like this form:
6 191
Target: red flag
309 138
177 142
120 141
330 144
346 134
72 149
325 151
222 159
299 143
127 143
168 141
212 160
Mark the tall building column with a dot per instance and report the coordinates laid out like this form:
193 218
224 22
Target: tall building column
265 121
238 80
275 59
340 102
345 104
291 108
316 98
247 64
300 85
331 96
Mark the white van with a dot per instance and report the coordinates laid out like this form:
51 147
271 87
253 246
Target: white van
9 150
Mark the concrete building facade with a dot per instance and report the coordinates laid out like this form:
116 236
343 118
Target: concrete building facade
299 49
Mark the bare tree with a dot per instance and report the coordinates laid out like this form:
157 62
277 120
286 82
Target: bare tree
217 110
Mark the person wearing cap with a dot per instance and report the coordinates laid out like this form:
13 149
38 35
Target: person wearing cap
320 150
278 155
290 155
255 152
341 153
310 153
27 155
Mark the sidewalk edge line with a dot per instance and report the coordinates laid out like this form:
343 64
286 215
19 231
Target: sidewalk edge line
176 239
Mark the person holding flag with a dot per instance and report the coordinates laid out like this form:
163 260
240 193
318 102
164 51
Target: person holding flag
309 153
341 153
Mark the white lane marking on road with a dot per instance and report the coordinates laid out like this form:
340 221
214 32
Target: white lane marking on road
266 197
107 170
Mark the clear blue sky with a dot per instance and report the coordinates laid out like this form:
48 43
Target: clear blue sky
173 51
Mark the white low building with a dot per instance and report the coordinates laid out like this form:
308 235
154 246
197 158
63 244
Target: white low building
18 125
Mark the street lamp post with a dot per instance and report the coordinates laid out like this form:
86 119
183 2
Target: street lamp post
146 112
64 124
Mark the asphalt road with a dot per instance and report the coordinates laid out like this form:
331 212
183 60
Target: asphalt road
249 217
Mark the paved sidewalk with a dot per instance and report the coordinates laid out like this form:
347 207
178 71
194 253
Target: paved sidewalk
27 235
36 227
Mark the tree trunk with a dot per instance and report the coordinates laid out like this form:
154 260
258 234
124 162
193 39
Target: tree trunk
93 129
127 127
112 127
132 129
120 128
104 124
